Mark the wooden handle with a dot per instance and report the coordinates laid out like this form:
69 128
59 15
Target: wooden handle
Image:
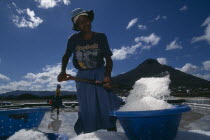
99 83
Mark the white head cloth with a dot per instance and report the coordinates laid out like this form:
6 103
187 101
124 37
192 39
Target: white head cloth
76 17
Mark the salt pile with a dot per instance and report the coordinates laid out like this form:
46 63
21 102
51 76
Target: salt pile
148 94
28 135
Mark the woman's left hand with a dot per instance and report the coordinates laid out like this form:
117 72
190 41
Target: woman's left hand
107 81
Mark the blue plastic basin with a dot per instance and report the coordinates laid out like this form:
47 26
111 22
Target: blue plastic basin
56 136
151 125
13 120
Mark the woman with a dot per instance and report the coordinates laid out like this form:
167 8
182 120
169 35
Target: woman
57 101
89 50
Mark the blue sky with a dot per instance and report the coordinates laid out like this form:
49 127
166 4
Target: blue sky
34 33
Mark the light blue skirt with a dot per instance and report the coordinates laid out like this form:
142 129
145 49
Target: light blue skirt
95 103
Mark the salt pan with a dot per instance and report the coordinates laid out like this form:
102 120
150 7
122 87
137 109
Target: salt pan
148 94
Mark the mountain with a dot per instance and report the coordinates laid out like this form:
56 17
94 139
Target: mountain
36 93
152 68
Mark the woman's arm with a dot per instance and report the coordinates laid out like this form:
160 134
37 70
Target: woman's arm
65 59
108 69
62 76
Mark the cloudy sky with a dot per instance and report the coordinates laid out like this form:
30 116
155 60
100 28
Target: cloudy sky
34 33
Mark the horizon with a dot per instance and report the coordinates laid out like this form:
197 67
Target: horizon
34 35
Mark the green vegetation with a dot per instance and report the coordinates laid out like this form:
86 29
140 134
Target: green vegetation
28 96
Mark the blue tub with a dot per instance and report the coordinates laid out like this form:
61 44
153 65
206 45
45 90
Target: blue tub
151 125
56 136
13 120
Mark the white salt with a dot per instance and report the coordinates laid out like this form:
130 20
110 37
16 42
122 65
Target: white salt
146 103
28 135
155 87
148 94
201 132
101 135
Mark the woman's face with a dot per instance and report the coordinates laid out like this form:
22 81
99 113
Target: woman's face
84 23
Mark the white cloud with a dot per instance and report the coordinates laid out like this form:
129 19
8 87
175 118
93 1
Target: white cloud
146 47
162 60
47 3
124 52
206 35
173 45
164 17
48 74
183 8
51 3
26 18
20 85
206 65
45 80
160 17
4 78
66 2
189 68
151 39
132 23
202 72
203 76
142 27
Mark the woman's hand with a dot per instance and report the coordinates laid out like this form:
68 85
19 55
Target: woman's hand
107 81
63 77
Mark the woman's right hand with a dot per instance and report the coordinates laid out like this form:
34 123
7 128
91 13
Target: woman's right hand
62 77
